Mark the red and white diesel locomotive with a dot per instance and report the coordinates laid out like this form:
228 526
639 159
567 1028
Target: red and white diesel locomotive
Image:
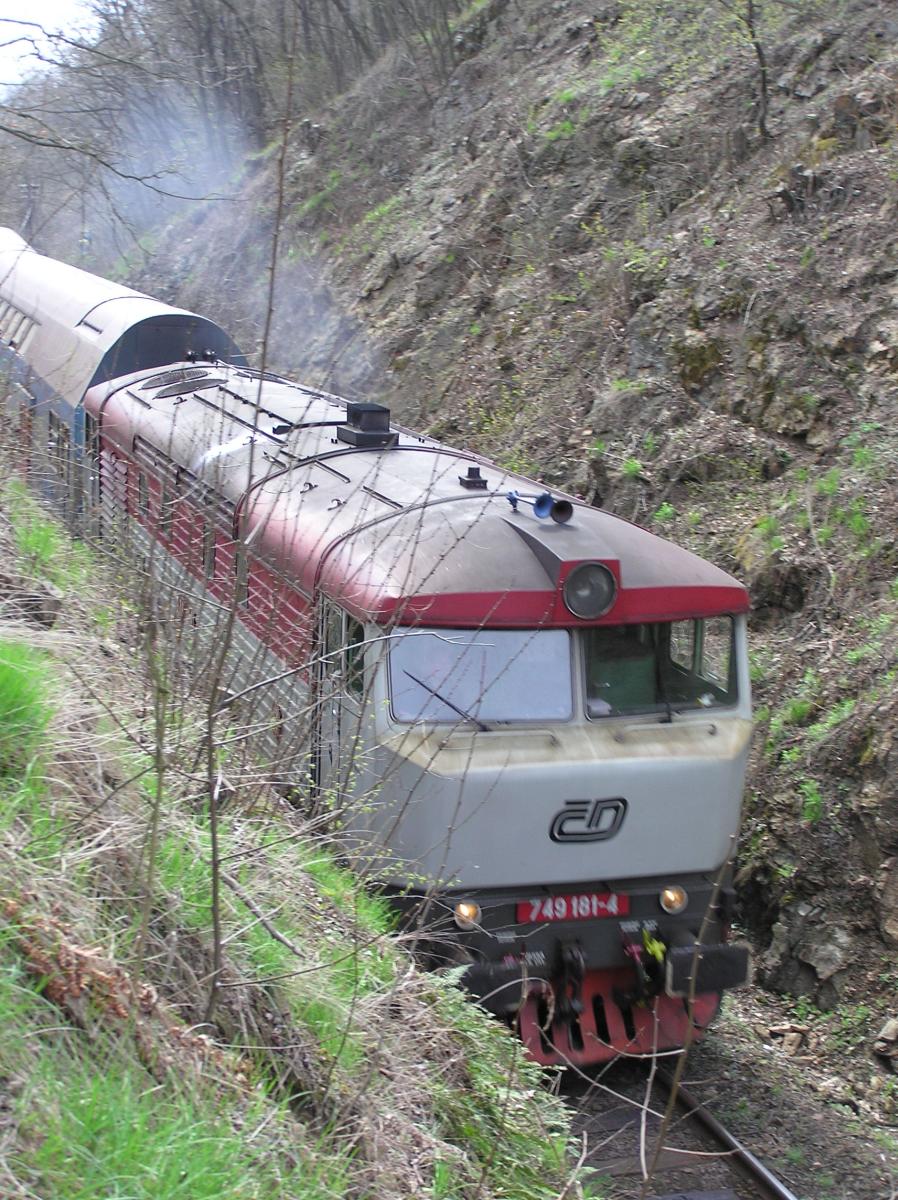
535 715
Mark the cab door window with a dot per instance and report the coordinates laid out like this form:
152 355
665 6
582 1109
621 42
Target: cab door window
344 651
663 666
700 667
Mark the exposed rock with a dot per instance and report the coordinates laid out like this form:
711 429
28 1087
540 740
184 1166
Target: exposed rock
886 1043
633 157
888 901
697 356
806 957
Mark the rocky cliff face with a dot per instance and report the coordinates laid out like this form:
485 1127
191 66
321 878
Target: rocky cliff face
580 255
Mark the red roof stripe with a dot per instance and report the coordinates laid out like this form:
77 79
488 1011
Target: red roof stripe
546 609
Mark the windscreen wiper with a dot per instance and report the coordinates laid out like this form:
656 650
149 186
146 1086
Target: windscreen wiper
442 699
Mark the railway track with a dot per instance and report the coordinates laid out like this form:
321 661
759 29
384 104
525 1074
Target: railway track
644 1146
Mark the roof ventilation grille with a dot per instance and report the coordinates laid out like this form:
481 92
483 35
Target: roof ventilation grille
367 426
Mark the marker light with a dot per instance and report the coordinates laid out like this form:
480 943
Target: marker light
673 899
467 914
589 590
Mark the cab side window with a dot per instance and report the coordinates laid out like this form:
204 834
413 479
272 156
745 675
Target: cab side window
716 661
700 663
344 651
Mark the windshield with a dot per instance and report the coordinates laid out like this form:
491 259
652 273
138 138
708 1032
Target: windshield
481 675
661 667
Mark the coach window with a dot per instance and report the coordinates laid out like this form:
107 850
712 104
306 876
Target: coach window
143 494
166 512
208 549
241 578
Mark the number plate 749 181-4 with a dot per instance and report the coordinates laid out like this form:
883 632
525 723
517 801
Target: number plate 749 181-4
584 906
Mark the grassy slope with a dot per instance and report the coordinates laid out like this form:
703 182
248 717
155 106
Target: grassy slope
331 1067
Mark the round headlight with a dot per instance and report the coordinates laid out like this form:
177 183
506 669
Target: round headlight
589 590
467 914
673 899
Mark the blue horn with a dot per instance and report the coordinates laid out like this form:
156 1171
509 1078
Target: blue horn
545 505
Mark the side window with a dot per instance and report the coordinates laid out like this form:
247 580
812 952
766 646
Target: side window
166 512
58 446
717 637
209 548
91 437
699 666
241 578
682 644
355 656
344 649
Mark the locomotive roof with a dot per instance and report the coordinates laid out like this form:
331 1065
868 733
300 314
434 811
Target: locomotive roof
77 322
392 533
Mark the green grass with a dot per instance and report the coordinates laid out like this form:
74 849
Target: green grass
25 706
521 1158
112 1134
183 875
381 211
371 911
45 550
312 203
92 1122
561 131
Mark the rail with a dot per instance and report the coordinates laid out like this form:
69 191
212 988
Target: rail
746 1163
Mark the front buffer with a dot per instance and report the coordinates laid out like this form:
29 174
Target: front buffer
588 992
592 1016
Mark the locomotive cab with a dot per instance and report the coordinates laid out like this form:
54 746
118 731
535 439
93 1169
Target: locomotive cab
573 788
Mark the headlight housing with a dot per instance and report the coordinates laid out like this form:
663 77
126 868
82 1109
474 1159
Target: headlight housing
673 899
467 914
589 591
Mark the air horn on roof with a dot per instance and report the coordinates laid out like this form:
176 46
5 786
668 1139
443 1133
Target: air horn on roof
544 505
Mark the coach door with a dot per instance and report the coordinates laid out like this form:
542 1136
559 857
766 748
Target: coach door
340 673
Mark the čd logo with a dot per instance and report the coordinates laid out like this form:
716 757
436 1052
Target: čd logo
588 820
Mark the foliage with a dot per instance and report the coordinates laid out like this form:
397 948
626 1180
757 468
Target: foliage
318 199
812 801
631 468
